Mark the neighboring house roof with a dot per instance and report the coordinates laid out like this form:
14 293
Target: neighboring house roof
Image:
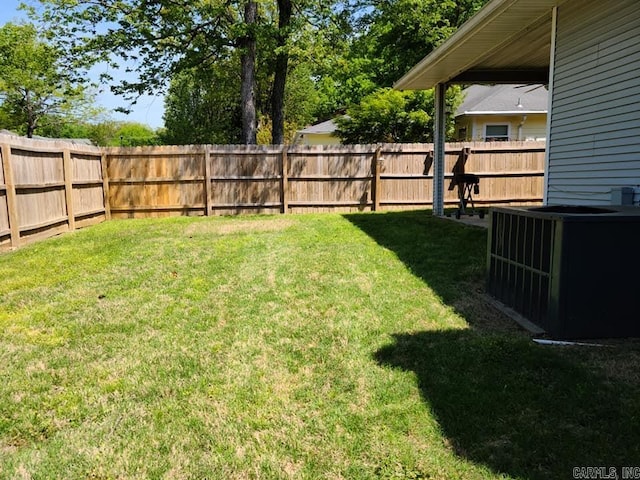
503 100
507 41
324 127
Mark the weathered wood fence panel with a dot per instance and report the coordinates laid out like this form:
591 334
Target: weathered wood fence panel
231 179
156 181
245 179
46 188
510 173
330 178
406 179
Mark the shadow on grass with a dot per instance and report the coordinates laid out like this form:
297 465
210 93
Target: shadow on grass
516 407
527 411
439 251
448 256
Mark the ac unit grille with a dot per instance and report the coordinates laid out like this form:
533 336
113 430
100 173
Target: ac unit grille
520 262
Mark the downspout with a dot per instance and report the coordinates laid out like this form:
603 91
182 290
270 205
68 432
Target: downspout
552 64
439 127
520 125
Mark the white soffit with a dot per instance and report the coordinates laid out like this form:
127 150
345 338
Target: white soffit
506 41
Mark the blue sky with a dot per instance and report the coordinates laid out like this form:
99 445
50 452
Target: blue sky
148 110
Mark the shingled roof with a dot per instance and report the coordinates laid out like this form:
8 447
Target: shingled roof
503 99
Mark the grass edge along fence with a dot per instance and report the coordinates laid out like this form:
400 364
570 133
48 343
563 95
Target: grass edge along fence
50 187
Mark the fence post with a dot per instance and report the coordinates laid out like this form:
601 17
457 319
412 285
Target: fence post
284 180
376 167
12 200
207 179
68 188
105 185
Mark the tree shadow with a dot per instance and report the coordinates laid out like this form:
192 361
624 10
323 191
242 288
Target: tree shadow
523 410
519 408
448 256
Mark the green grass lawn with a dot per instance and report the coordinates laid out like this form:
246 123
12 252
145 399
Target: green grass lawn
311 346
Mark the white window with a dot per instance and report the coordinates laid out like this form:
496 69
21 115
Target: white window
496 133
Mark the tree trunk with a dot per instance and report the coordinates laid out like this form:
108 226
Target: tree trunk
280 78
32 121
31 129
247 74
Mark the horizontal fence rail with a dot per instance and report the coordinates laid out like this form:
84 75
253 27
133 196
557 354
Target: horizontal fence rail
50 187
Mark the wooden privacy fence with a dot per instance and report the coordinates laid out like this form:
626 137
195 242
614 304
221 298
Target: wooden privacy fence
49 187
220 180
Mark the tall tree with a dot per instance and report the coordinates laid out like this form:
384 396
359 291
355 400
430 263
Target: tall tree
281 69
393 36
161 38
247 44
399 33
34 85
384 39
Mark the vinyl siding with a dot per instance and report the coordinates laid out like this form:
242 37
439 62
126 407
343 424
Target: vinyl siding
595 124
317 139
534 128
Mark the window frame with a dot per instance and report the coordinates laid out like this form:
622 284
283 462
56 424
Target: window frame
498 138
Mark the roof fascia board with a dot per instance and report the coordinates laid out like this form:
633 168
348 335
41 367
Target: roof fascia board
502 112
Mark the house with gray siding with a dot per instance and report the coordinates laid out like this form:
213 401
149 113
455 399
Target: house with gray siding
595 126
588 54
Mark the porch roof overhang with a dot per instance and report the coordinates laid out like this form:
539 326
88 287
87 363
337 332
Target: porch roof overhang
507 41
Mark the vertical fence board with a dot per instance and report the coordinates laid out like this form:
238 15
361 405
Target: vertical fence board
5 231
68 188
207 179
12 203
284 180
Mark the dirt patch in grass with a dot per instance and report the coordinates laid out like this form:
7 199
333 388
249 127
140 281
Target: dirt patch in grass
617 360
480 314
239 226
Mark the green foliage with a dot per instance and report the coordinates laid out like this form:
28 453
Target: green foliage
402 32
104 133
132 134
392 116
36 89
203 106
159 37
386 40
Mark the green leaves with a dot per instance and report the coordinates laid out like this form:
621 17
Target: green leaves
390 116
383 116
33 81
